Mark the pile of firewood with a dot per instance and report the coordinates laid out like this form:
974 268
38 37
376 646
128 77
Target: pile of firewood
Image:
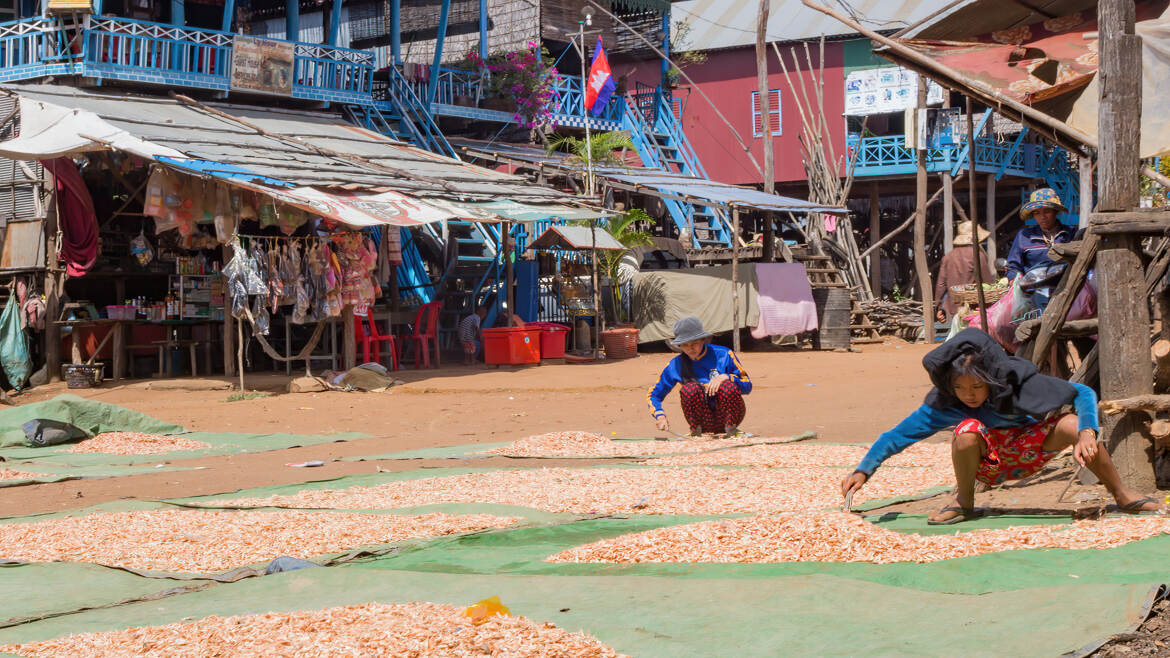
902 318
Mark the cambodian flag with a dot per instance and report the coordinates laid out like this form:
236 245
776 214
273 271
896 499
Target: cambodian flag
600 85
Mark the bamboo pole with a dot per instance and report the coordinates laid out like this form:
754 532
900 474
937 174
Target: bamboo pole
973 218
735 280
920 265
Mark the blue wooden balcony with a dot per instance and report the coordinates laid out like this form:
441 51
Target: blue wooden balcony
887 156
109 48
457 93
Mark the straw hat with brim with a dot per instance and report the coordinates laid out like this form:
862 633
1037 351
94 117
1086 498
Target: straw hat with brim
687 330
1044 197
963 237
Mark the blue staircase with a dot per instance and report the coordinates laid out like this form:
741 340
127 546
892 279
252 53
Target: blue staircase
402 114
661 143
1058 172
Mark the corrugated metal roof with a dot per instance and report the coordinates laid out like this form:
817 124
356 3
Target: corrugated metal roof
732 23
291 154
652 181
576 237
977 17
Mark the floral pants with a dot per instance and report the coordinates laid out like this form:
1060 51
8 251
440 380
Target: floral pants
712 413
1013 453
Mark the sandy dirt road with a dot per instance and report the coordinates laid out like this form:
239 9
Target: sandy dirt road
841 396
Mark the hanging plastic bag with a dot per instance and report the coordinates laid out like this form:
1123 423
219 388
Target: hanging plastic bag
141 249
225 214
160 185
14 355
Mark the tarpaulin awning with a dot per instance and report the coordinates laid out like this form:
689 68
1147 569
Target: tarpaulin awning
520 212
654 182
1049 63
312 160
577 238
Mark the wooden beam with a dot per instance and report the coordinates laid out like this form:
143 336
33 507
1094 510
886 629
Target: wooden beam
1070 329
764 92
875 236
1062 299
1154 220
920 265
1126 370
1147 402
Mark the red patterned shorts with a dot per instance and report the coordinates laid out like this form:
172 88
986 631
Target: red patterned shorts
1013 453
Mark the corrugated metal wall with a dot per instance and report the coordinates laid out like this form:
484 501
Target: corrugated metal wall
21 210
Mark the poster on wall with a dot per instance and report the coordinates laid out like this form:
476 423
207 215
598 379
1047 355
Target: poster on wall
886 89
262 66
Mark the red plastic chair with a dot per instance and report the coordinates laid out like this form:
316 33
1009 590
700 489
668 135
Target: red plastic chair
426 325
366 335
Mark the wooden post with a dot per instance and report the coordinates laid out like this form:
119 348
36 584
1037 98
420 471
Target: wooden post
229 322
948 212
765 94
920 265
1124 344
973 217
875 235
990 216
735 277
52 282
1085 169
350 338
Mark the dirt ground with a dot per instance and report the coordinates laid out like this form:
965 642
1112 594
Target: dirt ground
844 397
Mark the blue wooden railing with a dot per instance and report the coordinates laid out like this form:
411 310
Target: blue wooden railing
35 47
887 156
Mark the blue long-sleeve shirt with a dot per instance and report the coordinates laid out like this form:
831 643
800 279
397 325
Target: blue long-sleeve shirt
1029 249
927 420
715 360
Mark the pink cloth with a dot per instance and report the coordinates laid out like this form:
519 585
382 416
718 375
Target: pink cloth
78 222
785 299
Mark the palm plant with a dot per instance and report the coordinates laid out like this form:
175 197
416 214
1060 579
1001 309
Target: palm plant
624 229
602 149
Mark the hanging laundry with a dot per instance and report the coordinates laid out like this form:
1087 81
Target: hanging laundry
78 222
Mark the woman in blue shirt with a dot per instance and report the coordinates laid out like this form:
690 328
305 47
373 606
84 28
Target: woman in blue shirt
1007 424
1030 248
713 383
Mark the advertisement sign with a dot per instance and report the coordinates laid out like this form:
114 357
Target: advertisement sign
262 66
886 89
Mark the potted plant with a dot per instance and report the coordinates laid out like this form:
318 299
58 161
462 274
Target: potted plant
521 81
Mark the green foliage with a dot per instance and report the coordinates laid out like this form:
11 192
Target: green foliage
624 229
602 149
680 53
253 395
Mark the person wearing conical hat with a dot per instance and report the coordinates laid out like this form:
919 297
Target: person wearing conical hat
1030 248
957 268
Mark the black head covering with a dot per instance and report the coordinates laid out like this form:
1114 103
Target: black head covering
1019 388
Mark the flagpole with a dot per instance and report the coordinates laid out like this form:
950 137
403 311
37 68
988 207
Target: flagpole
589 187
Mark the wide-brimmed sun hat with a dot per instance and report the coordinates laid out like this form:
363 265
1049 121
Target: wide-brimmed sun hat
963 235
687 330
1044 197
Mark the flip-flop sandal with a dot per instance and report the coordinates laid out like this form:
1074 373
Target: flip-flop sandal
1133 507
965 514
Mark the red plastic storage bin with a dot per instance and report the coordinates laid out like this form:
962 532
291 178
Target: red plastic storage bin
553 338
511 346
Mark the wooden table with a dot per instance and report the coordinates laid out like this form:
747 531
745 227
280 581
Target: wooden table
121 350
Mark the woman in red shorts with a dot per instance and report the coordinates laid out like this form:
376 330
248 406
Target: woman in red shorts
1008 424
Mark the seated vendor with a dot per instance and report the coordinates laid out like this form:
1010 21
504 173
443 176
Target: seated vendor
1030 248
713 383
1008 422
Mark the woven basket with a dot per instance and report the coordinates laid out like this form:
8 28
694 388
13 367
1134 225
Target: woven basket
620 343
970 296
81 375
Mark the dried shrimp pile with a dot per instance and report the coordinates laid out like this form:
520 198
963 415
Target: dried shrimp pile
585 444
10 474
926 455
841 537
136 443
698 490
205 540
372 629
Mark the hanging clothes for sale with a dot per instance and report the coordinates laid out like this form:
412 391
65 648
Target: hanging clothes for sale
77 220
